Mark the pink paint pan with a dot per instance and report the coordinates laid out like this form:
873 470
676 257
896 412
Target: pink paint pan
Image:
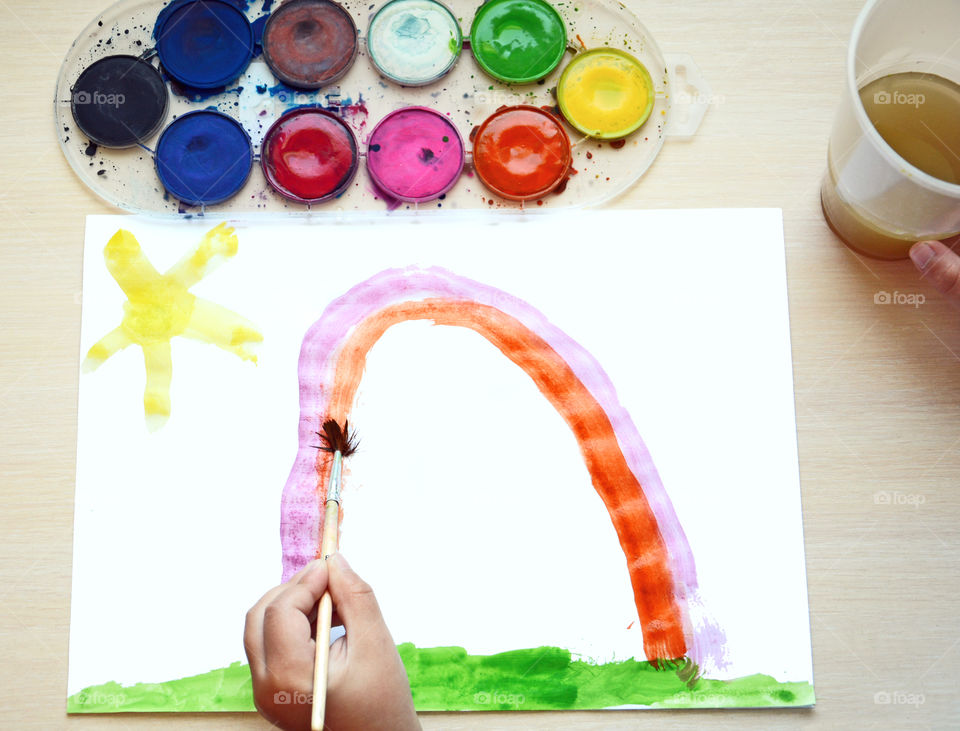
415 154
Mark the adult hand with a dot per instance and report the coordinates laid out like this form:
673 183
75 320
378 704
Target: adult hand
941 266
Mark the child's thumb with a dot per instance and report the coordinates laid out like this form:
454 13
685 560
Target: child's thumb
352 596
940 265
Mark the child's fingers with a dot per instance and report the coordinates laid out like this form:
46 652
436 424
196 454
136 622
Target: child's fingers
253 631
303 593
355 602
312 618
335 620
286 620
255 615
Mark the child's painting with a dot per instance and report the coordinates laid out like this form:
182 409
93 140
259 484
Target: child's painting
577 485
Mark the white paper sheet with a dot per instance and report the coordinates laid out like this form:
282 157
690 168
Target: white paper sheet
476 540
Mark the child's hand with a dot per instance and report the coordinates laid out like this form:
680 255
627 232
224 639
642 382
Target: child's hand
941 266
367 687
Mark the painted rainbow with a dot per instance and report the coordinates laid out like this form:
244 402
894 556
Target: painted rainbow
332 359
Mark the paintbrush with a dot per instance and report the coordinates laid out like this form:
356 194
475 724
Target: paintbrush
340 443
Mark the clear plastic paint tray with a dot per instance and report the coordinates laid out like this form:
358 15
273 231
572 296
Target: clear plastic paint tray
127 177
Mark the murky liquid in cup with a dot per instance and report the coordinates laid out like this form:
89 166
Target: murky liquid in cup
918 116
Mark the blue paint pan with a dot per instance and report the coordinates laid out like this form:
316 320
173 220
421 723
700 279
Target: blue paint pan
204 157
204 44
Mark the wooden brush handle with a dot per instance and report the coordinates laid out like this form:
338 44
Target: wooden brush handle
321 664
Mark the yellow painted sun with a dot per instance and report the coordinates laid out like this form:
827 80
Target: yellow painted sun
160 307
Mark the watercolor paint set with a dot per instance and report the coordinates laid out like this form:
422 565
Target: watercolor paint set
308 106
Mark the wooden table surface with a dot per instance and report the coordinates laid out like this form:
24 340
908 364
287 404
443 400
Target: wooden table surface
877 386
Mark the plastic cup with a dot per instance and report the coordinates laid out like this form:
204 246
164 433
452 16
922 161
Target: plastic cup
874 200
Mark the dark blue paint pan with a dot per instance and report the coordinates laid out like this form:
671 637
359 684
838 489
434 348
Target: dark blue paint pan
204 157
119 101
204 44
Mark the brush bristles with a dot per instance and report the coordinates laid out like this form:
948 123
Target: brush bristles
336 439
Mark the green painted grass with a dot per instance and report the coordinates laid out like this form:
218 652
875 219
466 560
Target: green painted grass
227 689
548 678
449 679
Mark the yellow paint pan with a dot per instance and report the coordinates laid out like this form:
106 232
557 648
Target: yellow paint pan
605 93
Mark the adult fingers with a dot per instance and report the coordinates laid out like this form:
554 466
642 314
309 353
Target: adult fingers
940 265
